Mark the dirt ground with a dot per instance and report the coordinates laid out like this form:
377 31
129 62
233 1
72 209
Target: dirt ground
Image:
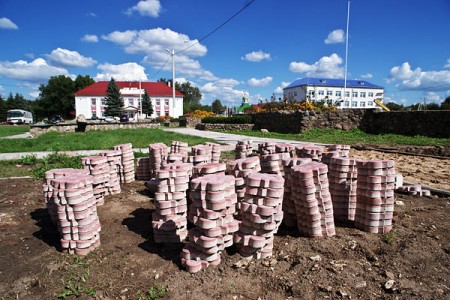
411 262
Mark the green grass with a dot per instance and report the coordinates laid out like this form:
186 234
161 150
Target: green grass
76 283
95 140
7 130
350 137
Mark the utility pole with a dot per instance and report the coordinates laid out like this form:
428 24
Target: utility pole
173 80
140 101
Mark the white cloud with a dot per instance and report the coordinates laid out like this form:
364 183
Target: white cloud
125 72
121 37
34 94
367 76
432 97
448 64
6 23
90 38
279 90
146 8
253 82
36 71
256 56
334 37
327 66
419 80
67 58
222 89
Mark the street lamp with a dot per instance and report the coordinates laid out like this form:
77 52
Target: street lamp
173 79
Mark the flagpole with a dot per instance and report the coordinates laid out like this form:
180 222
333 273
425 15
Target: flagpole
346 49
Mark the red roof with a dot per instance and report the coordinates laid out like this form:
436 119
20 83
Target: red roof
153 88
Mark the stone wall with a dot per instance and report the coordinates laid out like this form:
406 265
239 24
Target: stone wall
300 121
38 129
239 127
190 122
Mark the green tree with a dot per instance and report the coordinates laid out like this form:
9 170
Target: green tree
83 81
446 104
147 107
113 100
217 107
394 106
2 110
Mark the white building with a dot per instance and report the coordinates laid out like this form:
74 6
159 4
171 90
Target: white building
90 101
359 93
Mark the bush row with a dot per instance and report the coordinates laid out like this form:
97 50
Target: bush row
244 119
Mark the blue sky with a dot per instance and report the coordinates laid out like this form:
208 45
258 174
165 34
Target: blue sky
403 45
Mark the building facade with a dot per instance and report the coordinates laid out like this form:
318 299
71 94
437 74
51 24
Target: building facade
358 93
90 101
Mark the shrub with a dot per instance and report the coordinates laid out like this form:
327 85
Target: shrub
200 114
243 119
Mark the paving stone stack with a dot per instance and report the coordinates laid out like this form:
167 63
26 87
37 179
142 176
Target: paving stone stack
179 147
309 151
273 163
343 178
201 154
214 202
327 156
343 149
157 154
290 216
414 189
216 151
208 168
375 195
240 169
113 158
266 148
285 148
72 204
314 209
169 220
261 213
126 171
143 168
98 167
243 149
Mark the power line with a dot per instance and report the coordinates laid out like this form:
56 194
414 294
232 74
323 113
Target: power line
154 75
218 27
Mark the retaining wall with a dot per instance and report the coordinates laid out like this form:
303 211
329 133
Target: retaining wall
204 126
37 129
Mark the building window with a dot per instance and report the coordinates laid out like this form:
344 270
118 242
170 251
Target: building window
369 103
158 102
329 93
370 94
347 103
355 94
347 94
311 93
354 104
362 104
167 113
103 102
295 94
130 102
158 113
321 92
166 102
93 101
338 94
362 94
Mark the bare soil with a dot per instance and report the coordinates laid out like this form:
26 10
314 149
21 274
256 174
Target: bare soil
129 265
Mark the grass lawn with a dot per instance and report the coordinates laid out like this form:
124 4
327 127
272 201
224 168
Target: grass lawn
350 137
95 140
7 130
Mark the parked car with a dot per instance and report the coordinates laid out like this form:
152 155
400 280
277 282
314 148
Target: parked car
56 119
109 119
124 119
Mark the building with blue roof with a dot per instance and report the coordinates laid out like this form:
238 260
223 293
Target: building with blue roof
358 93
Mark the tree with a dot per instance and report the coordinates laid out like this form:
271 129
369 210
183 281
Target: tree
147 107
2 110
394 106
113 100
446 104
57 97
217 107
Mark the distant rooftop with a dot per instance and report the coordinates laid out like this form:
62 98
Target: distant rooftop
153 88
312 81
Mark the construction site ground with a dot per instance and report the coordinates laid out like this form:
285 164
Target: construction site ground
411 262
